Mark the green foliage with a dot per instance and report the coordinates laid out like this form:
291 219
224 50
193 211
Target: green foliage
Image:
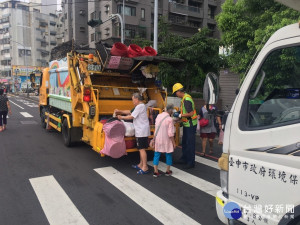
247 25
141 41
199 52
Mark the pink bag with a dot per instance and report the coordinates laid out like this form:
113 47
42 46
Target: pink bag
114 145
221 137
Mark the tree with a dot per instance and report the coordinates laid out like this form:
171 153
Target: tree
199 52
248 24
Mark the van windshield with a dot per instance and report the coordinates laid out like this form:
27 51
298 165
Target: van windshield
274 97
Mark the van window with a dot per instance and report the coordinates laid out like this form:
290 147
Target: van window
274 97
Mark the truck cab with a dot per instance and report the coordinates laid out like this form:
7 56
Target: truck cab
260 164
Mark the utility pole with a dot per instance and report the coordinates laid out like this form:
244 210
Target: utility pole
123 12
155 24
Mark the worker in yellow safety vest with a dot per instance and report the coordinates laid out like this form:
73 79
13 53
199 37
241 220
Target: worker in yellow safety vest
188 116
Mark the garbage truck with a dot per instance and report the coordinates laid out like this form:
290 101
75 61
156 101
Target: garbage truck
81 88
260 164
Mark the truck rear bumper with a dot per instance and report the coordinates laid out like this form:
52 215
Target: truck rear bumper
220 202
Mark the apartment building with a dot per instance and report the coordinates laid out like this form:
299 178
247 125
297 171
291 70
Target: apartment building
26 38
185 17
74 19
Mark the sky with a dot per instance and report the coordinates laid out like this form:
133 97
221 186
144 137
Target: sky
58 2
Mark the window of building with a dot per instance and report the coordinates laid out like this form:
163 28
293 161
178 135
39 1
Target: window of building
176 18
212 28
107 31
92 37
211 12
152 17
129 10
23 7
82 29
107 9
129 33
4 51
44 54
98 36
23 51
142 32
5 41
143 16
66 16
43 44
193 3
5 62
193 23
93 15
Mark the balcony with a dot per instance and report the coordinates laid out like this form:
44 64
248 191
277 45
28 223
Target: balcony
178 20
185 9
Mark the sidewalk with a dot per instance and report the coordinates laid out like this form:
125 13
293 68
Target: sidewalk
217 148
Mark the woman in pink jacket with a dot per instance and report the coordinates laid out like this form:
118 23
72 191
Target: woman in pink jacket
164 140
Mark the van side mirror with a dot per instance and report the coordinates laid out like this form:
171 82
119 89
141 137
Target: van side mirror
211 88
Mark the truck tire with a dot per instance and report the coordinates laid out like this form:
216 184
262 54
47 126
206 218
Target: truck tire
43 117
66 133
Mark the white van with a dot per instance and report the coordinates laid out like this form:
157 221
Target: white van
260 165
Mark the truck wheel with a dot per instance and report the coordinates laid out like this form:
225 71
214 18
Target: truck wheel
43 117
66 133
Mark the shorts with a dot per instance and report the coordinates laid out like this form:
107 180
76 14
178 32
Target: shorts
208 135
142 143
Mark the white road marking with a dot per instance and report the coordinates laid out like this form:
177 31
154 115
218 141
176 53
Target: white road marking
207 162
57 206
25 114
16 104
157 207
28 103
190 179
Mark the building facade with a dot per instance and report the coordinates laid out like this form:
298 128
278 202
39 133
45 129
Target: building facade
186 17
26 37
74 19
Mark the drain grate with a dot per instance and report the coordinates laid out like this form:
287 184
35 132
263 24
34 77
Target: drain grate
28 122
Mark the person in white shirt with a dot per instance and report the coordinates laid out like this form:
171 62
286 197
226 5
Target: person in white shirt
142 129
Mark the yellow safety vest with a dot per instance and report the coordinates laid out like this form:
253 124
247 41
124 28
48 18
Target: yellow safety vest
183 111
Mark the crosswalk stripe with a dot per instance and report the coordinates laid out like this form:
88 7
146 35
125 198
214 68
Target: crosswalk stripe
190 179
207 162
16 104
25 114
57 206
157 207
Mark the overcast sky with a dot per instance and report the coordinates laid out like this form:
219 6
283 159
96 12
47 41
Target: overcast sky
58 2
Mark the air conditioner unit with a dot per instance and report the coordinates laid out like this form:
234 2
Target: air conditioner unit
82 12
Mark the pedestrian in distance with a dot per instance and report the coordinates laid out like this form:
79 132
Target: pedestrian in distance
209 131
4 109
141 127
164 139
188 117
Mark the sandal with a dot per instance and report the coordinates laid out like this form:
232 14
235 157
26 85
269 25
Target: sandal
211 152
135 167
202 154
142 172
